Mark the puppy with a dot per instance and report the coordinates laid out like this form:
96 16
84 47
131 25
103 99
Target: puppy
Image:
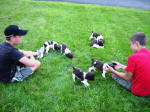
101 66
83 76
98 41
65 49
40 52
95 36
97 44
51 45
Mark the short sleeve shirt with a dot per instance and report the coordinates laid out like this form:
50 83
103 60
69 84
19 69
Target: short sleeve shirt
139 65
9 56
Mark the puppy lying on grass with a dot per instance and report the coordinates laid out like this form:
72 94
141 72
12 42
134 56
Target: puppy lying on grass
98 41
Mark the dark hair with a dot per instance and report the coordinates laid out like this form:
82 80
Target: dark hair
8 38
140 37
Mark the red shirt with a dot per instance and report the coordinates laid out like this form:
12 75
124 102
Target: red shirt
139 65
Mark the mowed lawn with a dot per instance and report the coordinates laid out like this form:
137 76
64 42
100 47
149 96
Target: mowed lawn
51 88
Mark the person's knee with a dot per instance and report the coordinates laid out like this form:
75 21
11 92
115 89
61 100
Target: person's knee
37 64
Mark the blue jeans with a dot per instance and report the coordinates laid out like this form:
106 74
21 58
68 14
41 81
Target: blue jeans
21 74
123 83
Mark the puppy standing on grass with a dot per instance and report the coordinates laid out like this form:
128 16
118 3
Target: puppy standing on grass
51 45
65 49
83 76
98 41
101 66
46 47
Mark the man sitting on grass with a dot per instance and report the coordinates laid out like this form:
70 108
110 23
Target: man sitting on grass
137 75
10 56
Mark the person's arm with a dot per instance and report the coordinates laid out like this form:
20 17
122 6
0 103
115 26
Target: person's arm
28 62
119 66
125 76
28 53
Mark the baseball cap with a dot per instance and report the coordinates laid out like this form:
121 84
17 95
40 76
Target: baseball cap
14 30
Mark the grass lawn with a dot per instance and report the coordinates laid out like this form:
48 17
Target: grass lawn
51 88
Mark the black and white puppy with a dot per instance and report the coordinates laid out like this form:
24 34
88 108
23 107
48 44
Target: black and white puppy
83 76
95 36
65 49
51 45
101 66
98 41
97 44
46 47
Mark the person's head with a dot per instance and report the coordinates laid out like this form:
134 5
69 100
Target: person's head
14 34
137 41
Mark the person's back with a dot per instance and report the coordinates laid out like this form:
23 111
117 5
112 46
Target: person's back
141 72
6 64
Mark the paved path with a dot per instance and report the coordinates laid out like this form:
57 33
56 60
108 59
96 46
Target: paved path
139 4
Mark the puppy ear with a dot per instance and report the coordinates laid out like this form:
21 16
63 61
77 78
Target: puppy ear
114 63
73 67
93 60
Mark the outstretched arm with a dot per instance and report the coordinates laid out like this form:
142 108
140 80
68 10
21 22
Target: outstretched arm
28 53
119 66
125 76
30 62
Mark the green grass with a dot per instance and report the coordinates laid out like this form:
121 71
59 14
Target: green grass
51 88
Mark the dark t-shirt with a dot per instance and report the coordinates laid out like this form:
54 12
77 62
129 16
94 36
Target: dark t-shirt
9 56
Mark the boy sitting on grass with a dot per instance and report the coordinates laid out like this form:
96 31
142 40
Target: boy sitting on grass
137 75
9 56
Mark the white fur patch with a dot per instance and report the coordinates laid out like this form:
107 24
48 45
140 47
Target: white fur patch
97 46
61 48
91 37
67 50
86 84
84 75
92 68
40 52
73 77
99 37
104 70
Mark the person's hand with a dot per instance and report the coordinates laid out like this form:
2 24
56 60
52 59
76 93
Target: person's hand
109 69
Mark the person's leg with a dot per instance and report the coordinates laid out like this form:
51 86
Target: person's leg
21 74
36 63
123 83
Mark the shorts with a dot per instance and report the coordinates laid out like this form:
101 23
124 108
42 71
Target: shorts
123 83
21 74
